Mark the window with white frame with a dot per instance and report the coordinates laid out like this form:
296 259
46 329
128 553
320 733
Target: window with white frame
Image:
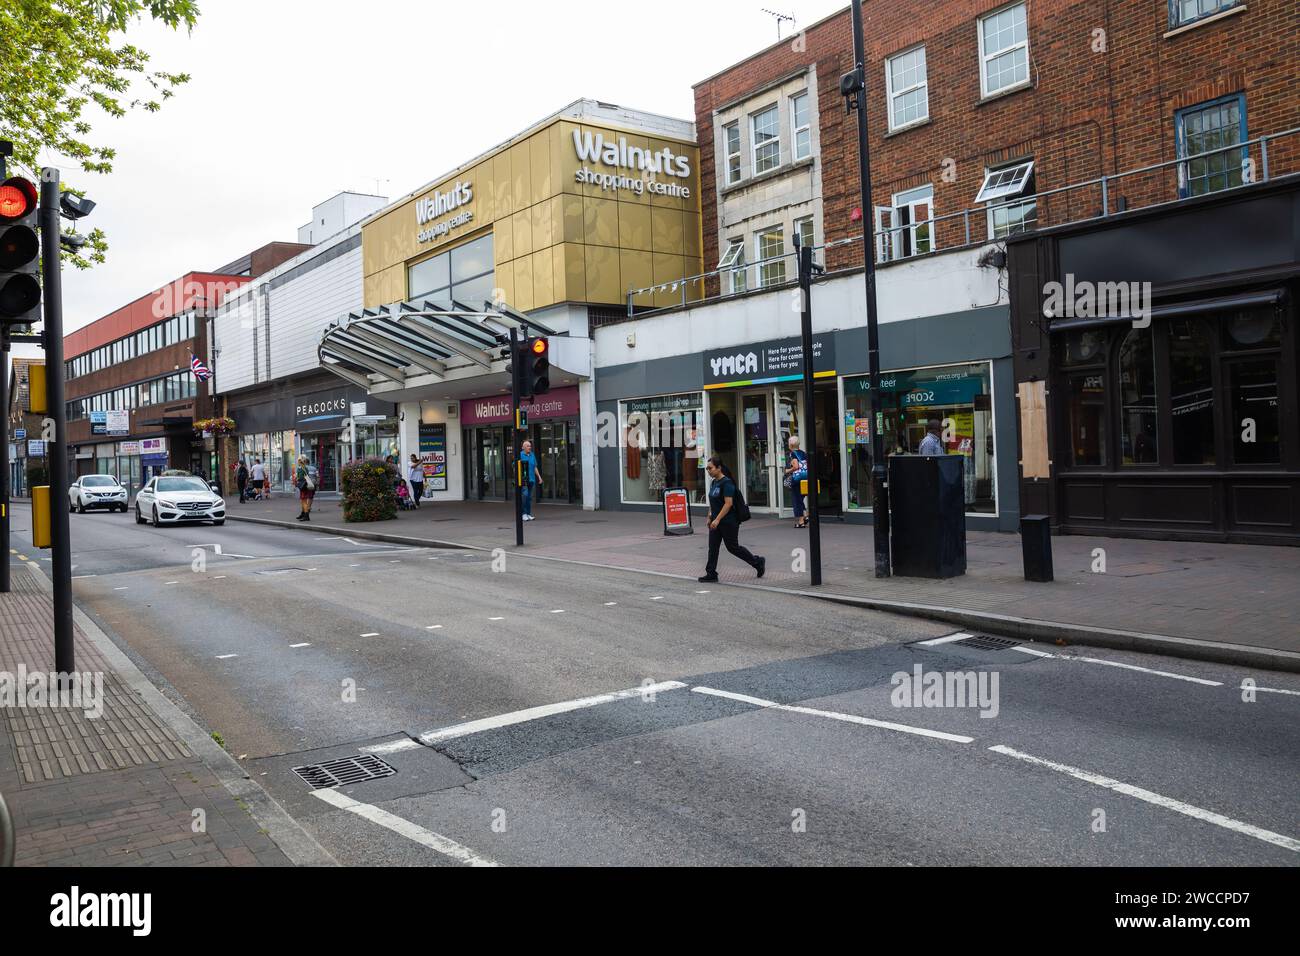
1183 12
1004 49
765 129
800 126
908 88
731 142
1002 190
770 243
906 228
732 265
803 228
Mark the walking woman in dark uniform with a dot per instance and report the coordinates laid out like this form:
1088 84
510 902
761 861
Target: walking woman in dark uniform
724 525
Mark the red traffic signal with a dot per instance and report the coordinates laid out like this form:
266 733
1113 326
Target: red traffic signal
17 199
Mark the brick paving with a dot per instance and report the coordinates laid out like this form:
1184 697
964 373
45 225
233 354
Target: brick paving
1236 594
117 788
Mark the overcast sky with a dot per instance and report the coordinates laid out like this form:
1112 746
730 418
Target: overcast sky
293 101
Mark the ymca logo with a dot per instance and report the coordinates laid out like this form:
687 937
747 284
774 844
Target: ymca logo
742 363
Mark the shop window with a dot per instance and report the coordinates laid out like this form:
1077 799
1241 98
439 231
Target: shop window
1137 382
1085 395
731 142
907 88
765 139
770 245
1191 393
1256 423
662 445
1202 132
957 395
1004 49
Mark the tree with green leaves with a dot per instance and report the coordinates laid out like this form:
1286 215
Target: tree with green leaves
60 57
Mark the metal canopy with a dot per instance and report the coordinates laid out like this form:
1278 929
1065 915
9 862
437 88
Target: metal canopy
387 345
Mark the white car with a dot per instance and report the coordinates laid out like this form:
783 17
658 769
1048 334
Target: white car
96 491
174 499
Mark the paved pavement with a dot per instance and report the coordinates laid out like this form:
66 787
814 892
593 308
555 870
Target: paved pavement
118 781
545 712
1209 601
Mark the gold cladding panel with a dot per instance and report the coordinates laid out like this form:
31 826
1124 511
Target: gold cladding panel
575 272
539 151
634 229
600 222
523 292
603 281
543 262
667 229
522 226
521 176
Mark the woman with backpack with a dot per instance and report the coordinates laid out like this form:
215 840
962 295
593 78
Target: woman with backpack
796 472
727 509
305 478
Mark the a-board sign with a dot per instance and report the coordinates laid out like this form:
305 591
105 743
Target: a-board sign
677 511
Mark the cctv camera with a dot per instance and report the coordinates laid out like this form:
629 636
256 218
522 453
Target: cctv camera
75 207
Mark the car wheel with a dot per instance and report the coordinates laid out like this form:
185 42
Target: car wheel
139 518
156 522
71 506
81 507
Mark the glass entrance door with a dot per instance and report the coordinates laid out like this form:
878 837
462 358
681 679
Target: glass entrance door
556 445
488 462
757 453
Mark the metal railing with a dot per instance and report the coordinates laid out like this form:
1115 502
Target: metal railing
1249 173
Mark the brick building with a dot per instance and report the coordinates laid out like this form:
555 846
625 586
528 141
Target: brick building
135 363
22 417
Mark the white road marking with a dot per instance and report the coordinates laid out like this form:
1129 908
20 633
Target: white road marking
521 716
558 610
85 576
413 832
226 657
833 715
357 544
496 619
432 627
171 582
657 598
703 592
304 644
123 588
1209 816
217 577
948 639
611 604
370 634
1276 690
1030 650
1127 667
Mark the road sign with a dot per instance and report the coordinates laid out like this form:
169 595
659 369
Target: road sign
20 434
35 449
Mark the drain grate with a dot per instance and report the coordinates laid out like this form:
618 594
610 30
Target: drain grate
343 771
984 642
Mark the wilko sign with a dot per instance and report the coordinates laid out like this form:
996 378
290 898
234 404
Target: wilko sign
558 403
677 511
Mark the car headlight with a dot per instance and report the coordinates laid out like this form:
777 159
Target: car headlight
167 504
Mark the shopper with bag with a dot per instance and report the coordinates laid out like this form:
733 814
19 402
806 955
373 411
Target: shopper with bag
727 509
796 472
305 478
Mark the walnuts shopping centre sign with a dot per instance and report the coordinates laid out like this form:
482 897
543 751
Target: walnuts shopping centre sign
594 148
439 204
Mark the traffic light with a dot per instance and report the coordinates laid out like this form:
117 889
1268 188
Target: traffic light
536 361
20 253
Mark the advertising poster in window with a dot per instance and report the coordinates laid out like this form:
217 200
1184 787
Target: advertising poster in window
433 456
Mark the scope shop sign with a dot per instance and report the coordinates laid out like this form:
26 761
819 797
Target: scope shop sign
780 360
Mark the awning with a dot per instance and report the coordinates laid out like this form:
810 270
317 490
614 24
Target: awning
1224 303
389 345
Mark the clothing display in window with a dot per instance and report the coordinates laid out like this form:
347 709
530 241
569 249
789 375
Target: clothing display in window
633 455
656 472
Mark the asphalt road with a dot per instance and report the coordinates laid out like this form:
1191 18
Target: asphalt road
299 647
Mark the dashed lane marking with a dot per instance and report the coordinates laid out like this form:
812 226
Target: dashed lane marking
1209 816
833 715
521 716
611 604
370 634
496 619
304 644
226 657
433 627
418 834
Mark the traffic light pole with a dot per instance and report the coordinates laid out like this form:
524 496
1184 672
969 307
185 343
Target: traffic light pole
5 583
805 254
879 476
60 534
516 361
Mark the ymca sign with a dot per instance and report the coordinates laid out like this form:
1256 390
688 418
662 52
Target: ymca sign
780 360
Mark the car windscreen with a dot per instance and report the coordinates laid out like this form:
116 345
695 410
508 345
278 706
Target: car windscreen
183 484
98 481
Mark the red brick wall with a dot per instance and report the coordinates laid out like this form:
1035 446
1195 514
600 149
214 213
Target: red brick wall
1086 113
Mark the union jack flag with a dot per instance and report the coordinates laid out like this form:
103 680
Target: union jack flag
201 371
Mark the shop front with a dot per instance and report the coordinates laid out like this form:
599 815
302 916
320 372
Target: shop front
553 428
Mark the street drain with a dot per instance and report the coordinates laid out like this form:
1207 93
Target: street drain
343 771
984 642
279 571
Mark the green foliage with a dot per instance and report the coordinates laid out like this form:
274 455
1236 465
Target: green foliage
37 475
59 57
369 490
